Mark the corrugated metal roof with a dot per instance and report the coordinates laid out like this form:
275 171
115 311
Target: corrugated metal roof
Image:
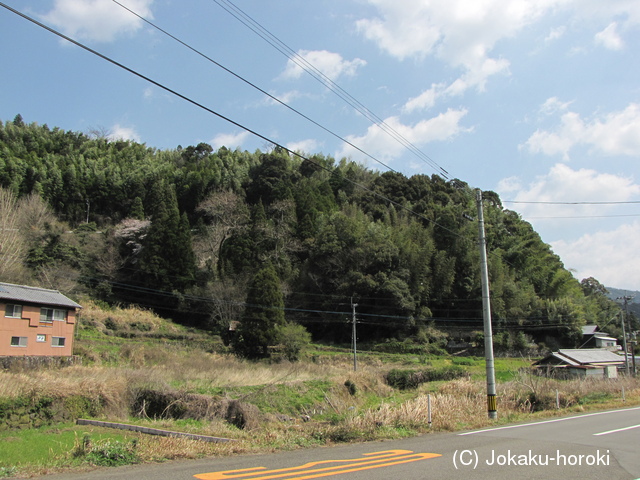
563 359
591 356
39 296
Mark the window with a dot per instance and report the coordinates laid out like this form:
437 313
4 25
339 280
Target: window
57 341
13 311
41 338
48 315
18 341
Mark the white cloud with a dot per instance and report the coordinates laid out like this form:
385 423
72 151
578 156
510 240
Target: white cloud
461 33
564 184
609 37
553 105
464 33
118 132
473 78
442 127
308 146
426 99
510 184
609 256
555 34
567 192
330 64
609 251
98 20
229 140
616 133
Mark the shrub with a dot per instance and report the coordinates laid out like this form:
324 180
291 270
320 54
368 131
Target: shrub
407 379
351 387
106 453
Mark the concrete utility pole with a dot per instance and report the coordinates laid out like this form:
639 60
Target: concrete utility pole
625 318
624 344
486 313
353 335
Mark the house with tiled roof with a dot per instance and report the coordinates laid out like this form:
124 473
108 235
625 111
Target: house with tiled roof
36 322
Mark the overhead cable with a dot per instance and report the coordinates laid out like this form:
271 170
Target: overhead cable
217 114
253 85
317 74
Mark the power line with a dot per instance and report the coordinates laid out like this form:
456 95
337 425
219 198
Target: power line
318 75
213 112
587 216
253 85
193 102
572 203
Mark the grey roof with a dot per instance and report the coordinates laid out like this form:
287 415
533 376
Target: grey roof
604 337
34 295
562 358
590 356
589 329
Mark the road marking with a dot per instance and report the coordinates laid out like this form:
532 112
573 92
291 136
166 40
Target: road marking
617 430
547 421
309 470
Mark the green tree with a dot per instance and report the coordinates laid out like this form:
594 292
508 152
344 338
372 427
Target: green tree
167 261
263 316
292 338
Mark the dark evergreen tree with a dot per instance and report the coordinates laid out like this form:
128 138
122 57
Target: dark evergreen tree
167 261
263 316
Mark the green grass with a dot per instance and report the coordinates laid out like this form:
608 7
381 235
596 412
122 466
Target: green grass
46 445
278 398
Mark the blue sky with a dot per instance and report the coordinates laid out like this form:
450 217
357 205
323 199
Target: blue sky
538 100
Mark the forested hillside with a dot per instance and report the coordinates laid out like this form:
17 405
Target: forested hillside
187 231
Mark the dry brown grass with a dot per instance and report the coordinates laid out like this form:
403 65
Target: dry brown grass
123 318
373 410
462 403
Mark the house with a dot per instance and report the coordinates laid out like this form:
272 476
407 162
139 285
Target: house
587 362
592 337
35 322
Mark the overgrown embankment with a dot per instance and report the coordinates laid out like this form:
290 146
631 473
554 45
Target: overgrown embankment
138 368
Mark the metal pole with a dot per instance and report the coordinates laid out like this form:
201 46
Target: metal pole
486 313
353 336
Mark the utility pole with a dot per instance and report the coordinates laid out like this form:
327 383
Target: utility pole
625 318
353 335
486 313
624 344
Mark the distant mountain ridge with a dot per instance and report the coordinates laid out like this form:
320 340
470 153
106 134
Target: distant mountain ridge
615 293
634 298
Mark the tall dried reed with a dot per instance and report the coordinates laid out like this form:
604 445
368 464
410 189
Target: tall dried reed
462 403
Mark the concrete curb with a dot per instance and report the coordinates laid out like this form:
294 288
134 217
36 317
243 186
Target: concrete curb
152 431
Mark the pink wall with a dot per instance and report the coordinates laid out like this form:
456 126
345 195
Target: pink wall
29 326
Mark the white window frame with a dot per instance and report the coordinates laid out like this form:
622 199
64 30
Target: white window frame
48 315
13 308
22 341
55 342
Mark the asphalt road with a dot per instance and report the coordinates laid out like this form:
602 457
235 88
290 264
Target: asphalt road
602 445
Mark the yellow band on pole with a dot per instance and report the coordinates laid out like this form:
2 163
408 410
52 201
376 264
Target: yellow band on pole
491 403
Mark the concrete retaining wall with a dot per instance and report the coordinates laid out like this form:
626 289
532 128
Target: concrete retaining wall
151 431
